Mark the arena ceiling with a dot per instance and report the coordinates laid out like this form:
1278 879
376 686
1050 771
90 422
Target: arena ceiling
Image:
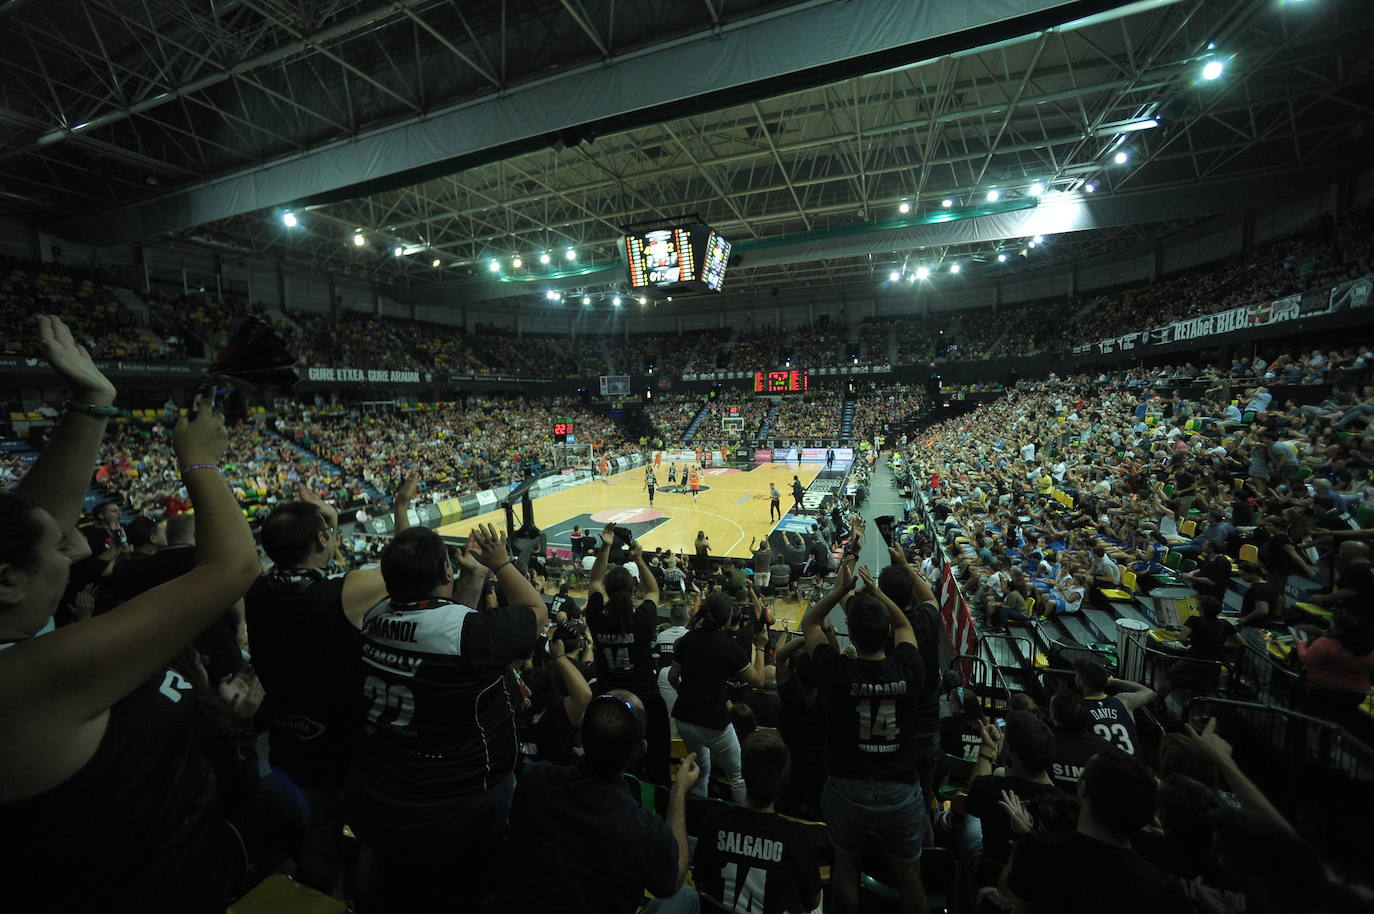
467 132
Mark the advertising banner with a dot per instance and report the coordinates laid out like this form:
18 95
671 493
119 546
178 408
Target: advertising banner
346 375
763 456
1352 294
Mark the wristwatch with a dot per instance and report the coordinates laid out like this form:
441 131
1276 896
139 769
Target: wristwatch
99 412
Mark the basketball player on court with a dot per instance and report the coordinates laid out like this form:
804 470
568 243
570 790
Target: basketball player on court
650 481
694 483
1111 715
605 470
774 502
672 474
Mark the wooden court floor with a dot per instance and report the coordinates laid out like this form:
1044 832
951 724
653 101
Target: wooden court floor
732 508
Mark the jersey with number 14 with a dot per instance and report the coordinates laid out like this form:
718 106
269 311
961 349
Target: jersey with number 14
871 709
438 716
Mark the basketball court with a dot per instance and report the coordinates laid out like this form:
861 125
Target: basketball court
732 508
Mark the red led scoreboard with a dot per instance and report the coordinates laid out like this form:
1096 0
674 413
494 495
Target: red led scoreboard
792 380
563 430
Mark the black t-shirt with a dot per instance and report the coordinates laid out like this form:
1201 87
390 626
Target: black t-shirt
1218 570
624 654
1276 557
546 735
1072 752
306 653
756 862
1359 580
961 737
1262 592
597 850
562 603
797 491
1111 721
870 713
138 827
1207 637
1070 873
439 718
984 797
926 623
767 706
708 660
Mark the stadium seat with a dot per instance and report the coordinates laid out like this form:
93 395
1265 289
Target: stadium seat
1188 528
1126 591
1249 553
278 894
1173 560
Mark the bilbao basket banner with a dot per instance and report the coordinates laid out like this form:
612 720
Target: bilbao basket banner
1341 297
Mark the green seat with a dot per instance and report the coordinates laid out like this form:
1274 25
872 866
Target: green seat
1247 417
1188 566
1173 560
1304 473
960 771
1365 516
1168 490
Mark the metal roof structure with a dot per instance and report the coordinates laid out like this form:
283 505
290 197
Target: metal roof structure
822 137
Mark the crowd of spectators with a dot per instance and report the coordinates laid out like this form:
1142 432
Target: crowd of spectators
458 718
879 407
814 414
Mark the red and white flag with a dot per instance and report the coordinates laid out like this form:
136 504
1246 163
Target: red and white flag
959 628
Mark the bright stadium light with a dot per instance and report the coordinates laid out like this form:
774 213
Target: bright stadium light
1039 239
1001 258
643 300
359 240
1032 244
435 262
904 207
894 276
922 273
1037 189
586 299
571 254
516 262
398 250
616 301
1213 69
289 220
994 196
1090 187
494 267
552 295
1121 157
946 203
544 257
954 268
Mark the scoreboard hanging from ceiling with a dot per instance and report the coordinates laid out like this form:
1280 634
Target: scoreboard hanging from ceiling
684 258
787 381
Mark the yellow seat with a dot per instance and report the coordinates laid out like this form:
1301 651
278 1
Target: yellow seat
18 417
278 894
1188 528
1312 609
1127 589
1249 553
1042 662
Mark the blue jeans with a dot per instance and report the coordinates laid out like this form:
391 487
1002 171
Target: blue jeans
685 901
718 747
895 811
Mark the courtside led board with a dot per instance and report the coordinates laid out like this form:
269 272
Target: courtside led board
787 381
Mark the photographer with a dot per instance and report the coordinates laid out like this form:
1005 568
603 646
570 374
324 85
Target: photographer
558 695
623 634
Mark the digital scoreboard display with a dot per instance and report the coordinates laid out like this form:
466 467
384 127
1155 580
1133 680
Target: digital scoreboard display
713 264
684 258
563 429
788 381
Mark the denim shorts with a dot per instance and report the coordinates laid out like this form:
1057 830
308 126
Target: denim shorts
892 810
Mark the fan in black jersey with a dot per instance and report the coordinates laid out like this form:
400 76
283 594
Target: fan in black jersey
303 634
1075 743
434 771
871 708
548 726
623 635
749 859
1112 716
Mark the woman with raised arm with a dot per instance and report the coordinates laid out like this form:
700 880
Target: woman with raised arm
101 774
624 633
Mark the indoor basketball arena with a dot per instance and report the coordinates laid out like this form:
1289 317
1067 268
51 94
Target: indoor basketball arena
750 456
